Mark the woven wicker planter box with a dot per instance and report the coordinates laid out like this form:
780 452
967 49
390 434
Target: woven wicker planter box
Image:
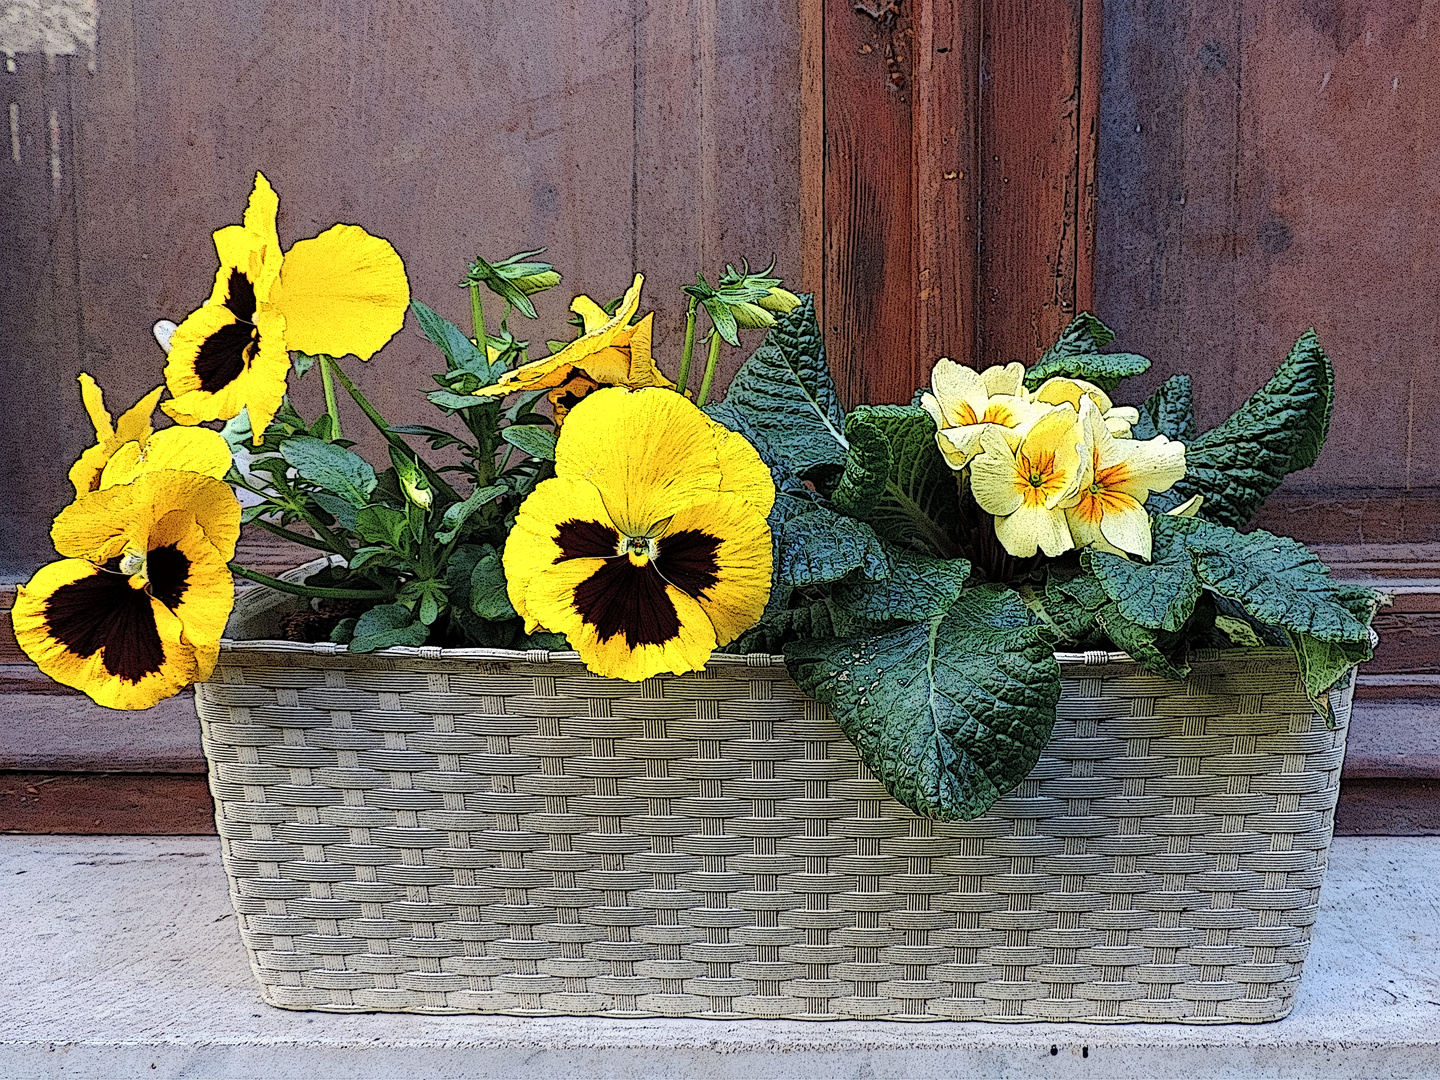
499 832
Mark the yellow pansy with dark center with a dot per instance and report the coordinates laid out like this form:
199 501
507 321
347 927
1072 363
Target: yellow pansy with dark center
341 292
140 625
650 546
610 352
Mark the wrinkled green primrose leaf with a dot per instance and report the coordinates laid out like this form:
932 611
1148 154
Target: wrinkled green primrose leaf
1279 430
949 713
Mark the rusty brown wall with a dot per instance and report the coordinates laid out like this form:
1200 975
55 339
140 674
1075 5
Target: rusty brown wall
659 135
1270 166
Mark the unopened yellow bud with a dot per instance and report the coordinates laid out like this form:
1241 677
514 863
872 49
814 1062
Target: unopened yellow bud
750 316
778 299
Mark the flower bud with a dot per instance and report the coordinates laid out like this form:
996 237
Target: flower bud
778 299
750 316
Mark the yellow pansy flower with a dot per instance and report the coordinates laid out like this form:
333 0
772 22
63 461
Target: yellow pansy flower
964 403
130 446
1064 391
650 547
1026 487
341 292
143 623
106 523
610 352
1119 475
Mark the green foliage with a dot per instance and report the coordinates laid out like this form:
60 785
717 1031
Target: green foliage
783 400
817 545
916 587
901 484
1169 411
1076 355
385 625
1160 594
1280 429
949 713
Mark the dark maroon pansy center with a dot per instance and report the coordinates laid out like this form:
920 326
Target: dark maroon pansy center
622 597
225 354
102 613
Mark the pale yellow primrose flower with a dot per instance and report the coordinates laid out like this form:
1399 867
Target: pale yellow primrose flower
1118 476
1026 487
964 403
1063 391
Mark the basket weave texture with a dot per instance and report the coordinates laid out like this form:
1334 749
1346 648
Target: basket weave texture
482 831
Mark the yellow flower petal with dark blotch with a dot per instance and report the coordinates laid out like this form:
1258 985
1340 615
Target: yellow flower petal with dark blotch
569 394
540 524
221 362
650 547
190 578
342 292
103 524
133 426
719 552
86 626
611 353
185 449
649 452
623 618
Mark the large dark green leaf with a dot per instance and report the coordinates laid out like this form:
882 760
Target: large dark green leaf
950 713
867 468
1170 411
783 399
917 587
1279 430
1276 580
1159 594
1154 650
816 545
918 503
1076 354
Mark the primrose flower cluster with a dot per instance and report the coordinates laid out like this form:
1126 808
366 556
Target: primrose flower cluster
1057 468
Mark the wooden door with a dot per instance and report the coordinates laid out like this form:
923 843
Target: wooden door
948 168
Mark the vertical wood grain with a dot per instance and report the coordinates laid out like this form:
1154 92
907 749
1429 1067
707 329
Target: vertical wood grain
1029 139
869 205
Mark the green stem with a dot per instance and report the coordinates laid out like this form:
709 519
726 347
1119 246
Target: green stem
307 590
436 480
477 315
320 543
710 363
331 406
689 348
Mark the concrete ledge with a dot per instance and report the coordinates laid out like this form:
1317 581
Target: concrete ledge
121 959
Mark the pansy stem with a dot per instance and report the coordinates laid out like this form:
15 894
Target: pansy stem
320 542
436 480
331 406
477 315
710 363
307 590
689 347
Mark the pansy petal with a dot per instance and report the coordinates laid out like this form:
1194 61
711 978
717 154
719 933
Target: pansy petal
643 371
341 292
134 423
592 315
718 551
742 470
100 525
219 365
189 577
649 452
85 474
89 628
563 518
575 389
187 449
622 617
94 399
